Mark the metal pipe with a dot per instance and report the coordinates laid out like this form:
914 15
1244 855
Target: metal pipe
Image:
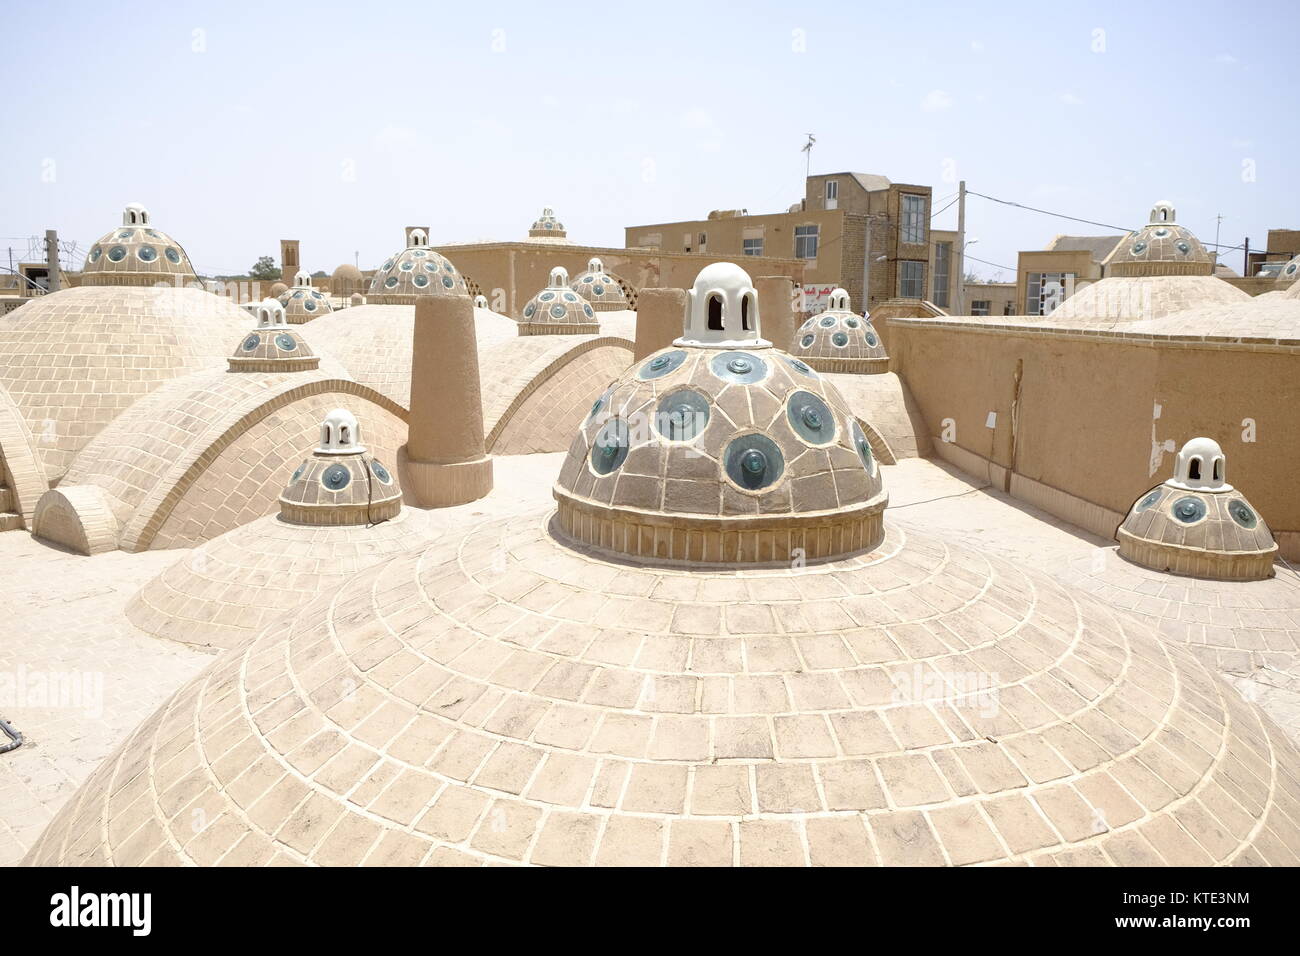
15 737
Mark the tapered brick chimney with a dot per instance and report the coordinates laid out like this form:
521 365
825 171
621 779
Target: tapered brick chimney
444 461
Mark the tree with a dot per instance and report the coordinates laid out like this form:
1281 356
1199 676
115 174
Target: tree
320 274
264 268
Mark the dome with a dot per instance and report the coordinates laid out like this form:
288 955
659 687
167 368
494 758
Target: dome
415 271
136 254
602 289
1197 524
1161 248
547 226
340 484
557 310
302 303
127 340
1290 271
346 280
726 451
274 346
340 513
498 697
840 340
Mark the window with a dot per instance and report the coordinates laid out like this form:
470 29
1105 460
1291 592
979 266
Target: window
805 242
980 306
746 310
1009 308
753 247
832 193
913 218
942 273
1046 290
911 279
704 240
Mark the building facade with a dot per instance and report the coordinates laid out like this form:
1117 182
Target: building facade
857 231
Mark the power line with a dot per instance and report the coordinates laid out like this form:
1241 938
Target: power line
987 263
1048 212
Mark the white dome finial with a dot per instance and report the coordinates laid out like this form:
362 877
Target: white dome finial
135 215
723 309
340 434
270 314
595 265
303 279
559 277
1200 466
838 300
1163 212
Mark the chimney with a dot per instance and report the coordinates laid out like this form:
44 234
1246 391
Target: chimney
660 317
776 301
444 461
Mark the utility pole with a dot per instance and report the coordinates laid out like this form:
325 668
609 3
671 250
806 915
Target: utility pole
52 258
807 151
1245 258
961 248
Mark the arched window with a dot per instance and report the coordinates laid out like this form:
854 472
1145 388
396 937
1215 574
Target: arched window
132 215
326 432
715 312
1218 469
343 435
1194 468
746 312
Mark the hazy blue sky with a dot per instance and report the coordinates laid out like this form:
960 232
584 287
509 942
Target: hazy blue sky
339 123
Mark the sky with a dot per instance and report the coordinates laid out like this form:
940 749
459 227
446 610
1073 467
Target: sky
338 124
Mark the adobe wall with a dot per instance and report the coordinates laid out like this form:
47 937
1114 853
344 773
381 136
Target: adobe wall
1086 422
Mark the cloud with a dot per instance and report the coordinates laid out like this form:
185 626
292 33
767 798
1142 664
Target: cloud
1225 58
936 100
977 46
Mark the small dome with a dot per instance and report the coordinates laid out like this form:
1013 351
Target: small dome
136 254
742 454
1197 524
279 289
415 271
303 303
1161 248
273 346
722 310
558 310
1290 271
547 226
480 302
340 484
604 290
346 279
839 340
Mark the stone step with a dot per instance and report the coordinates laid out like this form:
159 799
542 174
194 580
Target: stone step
10 521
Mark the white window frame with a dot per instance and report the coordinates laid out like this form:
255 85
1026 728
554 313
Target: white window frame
832 194
752 247
802 236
